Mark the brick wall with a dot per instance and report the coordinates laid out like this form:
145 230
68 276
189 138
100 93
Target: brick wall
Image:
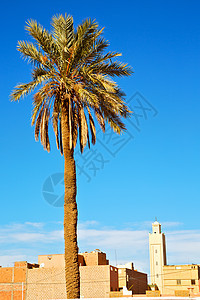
96 281
11 281
49 283
46 283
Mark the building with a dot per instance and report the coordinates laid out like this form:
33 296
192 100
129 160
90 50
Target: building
132 279
181 280
46 280
173 280
13 280
97 277
157 251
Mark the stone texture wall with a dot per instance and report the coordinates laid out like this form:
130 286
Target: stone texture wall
49 283
46 283
97 281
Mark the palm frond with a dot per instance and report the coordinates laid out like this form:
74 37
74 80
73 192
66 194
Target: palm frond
83 129
74 125
100 119
37 104
23 89
55 122
43 38
63 31
86 35
30 52
112 69
92 127
38 123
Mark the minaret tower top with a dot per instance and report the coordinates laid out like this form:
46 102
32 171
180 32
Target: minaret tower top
156 227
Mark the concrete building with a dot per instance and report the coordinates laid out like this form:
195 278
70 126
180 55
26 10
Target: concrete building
157 251
132 279
181 280
97 277
46 280
13 280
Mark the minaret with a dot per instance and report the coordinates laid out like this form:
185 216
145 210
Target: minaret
157 249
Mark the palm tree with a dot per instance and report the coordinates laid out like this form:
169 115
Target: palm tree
71 78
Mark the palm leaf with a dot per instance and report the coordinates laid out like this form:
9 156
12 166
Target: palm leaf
83 129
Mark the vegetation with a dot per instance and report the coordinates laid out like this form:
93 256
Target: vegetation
71 80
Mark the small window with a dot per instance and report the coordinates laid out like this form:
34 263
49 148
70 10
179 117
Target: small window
192 281
157 275
156 251
156 263
178 282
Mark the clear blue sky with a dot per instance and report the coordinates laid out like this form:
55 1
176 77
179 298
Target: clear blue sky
156 173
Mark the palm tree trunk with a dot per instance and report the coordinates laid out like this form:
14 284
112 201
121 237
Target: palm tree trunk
70 213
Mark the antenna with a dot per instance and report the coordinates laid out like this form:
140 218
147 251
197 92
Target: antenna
116 257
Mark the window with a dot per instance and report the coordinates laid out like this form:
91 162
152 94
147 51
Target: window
156 251
156 263
178 282
193 282
157 275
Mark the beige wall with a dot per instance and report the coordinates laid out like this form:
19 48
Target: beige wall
46 283
49 283
180 277
95 258
98 281
50 261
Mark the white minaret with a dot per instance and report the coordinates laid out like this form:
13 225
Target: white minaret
157 249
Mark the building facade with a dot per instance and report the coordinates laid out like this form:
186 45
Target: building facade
13 280
157 251
171 280
97 277
132 279
181 280
46 280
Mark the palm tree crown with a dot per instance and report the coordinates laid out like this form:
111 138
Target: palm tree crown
69 66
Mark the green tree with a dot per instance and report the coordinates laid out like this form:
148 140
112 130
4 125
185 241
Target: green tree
71 78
